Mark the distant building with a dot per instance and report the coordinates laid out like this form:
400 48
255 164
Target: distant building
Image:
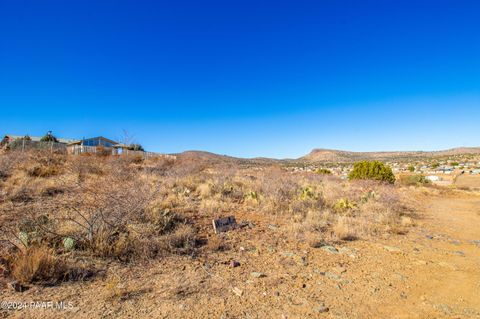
9 138
95 141
94 144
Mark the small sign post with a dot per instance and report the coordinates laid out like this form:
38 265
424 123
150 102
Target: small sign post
224 224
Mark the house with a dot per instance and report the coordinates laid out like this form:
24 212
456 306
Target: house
95 141
94 144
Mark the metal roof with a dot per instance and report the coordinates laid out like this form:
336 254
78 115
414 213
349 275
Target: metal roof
101 137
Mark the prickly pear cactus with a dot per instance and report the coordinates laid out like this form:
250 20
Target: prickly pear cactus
24 238
68 243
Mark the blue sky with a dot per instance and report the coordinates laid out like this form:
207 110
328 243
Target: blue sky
244 78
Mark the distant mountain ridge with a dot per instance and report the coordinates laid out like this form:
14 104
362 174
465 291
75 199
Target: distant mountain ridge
326 155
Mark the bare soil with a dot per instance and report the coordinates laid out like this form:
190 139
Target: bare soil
433 271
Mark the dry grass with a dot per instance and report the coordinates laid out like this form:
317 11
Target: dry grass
126 209
37 265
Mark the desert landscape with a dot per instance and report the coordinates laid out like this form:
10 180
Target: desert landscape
240 159
127 236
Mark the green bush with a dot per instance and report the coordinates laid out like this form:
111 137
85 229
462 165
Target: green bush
49 137
307 193
411 168
135 147
343 205
323 171
372 170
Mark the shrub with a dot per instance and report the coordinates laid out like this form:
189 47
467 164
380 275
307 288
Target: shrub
7 164
49 137
103 151
373 170
135 147
409 180
308 193
182 240
345 229
343 205
37 264
411 168
43 171
323 171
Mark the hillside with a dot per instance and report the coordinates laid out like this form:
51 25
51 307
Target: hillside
325 155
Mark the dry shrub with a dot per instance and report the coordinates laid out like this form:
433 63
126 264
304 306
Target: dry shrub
346 228
217 243
43 171
7 164
116 207
102 208
182 240
37 265
86 165
205 190
163 219
44 164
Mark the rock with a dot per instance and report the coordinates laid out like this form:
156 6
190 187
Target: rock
272 227
234 264
256 274
288 254
420 262
446 309
399 277
339 270
332 276
237 291
352 253
271 249
459 253
330 249
18 287
475 242
301 260
321 309
392 249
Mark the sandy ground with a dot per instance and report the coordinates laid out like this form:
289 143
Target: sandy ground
433 271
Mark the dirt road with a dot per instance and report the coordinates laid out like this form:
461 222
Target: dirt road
433 271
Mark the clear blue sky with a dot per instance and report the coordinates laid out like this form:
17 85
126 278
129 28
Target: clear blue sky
244 78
